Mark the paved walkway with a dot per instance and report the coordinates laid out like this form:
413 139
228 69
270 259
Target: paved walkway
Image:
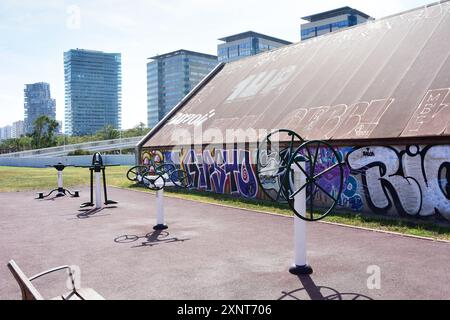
208 252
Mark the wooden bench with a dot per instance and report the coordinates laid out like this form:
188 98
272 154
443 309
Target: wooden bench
29 292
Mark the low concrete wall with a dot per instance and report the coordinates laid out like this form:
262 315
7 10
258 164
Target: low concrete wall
126 159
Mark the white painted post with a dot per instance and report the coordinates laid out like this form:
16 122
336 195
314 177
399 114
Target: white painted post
60 180
98 190
159 208
301 266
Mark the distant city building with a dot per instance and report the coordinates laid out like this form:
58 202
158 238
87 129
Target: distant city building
5 132
17 129
93 86
330 21
246 44
38 102
170 77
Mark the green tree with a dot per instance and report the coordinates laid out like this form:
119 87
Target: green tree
17 144
137 131
43 135
108 132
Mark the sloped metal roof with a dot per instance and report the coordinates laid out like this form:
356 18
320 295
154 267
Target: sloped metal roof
388 78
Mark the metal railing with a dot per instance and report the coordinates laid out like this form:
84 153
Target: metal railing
95 146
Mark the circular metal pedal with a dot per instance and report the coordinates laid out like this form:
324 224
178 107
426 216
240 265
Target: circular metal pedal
273 156
323 177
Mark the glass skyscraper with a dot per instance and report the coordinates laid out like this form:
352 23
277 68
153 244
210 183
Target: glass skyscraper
93 86
246 44
330 21
38 102
172 76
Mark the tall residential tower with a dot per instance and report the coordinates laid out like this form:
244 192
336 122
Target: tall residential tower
93 85
38 102
170 77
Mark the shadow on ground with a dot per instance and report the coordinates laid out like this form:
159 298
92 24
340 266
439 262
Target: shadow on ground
150 239
310 291
90 213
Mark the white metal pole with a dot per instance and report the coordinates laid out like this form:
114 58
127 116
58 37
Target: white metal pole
60 180
98 190
159 209
300 243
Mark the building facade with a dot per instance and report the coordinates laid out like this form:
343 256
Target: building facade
5 133
172 76
330 21
17 129
93 86
246 44
38 102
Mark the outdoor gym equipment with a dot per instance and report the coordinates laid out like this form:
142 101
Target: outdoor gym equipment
136 173
290 169
156 179
164 175
61 191
98 168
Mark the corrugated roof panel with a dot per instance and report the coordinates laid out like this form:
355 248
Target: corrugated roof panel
385 79
418 78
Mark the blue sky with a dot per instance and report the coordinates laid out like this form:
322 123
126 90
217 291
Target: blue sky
34 35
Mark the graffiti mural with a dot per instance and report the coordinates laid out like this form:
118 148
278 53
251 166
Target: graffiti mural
414 180
350 197
152 158
219 171
411 181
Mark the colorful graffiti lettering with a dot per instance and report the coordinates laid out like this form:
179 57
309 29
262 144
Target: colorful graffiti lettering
405 180
220 171
349 198
414 180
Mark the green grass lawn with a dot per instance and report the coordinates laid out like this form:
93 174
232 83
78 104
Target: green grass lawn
14 179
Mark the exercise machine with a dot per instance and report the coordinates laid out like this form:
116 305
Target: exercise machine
60 191
97 169
290 170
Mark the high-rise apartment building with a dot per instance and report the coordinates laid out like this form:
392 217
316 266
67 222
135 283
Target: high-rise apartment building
330 21
93 86
246 44
170 77
38 102
17 129
5 133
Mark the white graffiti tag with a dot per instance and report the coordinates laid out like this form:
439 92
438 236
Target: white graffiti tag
414 180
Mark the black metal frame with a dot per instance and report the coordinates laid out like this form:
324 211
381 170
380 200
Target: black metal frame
289 157
163 173
284 155
312 178
97 166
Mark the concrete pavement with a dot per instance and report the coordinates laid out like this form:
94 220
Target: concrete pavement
208 252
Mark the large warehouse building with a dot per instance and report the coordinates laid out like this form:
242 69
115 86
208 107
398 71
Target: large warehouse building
380 92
